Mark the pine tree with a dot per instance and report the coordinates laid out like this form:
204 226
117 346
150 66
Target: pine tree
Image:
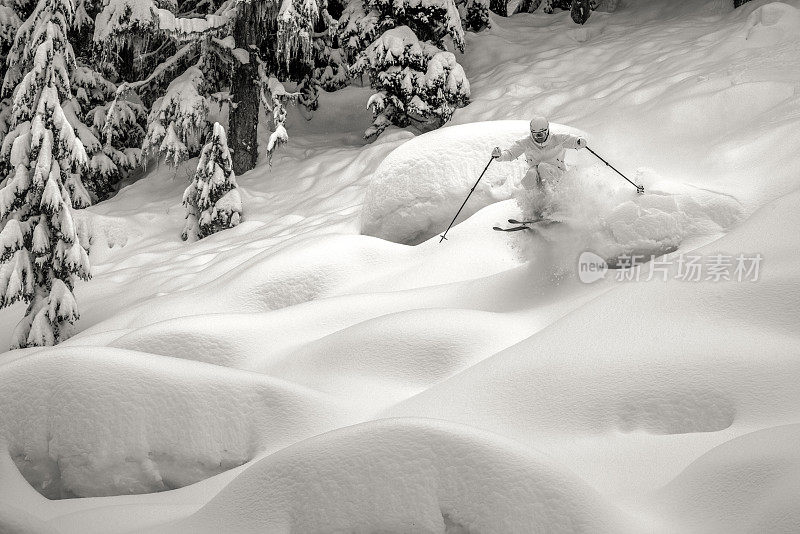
39 249
113 145
212 199
330 64
417 80
477 15
30 34
178 121
200 55
9 24
117 121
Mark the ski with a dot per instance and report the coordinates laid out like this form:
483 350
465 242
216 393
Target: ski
542 223
514 229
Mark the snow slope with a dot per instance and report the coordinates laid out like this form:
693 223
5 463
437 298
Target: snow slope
295 374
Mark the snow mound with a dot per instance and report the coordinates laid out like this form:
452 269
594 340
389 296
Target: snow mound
83 421
425 345
16 521
418 188
405 476
302 271
748 484
771 23
218 339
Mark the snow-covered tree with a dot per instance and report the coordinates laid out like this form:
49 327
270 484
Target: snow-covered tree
126 32
204 55
177 72
9 24
476 17
579 9
416 81
330 63
358 28
87 90
39 249
212 200
178 121
327 66
118 124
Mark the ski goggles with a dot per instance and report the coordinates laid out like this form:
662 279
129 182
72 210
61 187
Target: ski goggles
540 136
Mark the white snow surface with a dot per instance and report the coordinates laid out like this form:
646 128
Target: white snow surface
294 374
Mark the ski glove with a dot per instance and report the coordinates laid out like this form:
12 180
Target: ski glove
581 142
496 152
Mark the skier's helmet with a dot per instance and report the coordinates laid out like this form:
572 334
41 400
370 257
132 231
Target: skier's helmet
540 129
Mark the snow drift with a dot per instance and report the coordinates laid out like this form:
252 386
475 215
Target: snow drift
418 188
86 422
405 476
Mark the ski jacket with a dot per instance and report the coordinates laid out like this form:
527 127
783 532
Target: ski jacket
551 151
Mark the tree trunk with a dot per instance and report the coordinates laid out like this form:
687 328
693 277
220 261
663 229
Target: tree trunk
243 121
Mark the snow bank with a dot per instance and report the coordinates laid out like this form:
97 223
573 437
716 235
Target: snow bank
645 365
405 476
394 356
16 521
418 188
748 484
87 422
300 271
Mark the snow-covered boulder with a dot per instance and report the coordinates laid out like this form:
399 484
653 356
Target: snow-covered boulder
419 187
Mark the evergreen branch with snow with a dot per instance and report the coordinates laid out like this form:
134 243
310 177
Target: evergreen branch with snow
212 199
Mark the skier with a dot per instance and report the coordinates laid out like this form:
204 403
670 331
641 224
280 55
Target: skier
544 152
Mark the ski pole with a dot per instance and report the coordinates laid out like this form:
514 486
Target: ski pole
465 201
639 188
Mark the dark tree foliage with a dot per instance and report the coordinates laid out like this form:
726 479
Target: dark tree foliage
477 15
580 11
499 6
